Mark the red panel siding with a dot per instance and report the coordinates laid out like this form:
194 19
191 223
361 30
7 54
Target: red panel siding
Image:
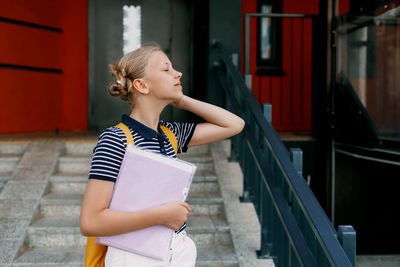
289 94
75 65
29 101
300 7
29 46
344 7
41 12
286 98
265 94
276 100
307 74
32 99
297 70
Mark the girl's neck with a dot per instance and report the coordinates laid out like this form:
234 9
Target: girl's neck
147 114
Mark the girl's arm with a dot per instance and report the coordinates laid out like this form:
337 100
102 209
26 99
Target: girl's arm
220 124
97 220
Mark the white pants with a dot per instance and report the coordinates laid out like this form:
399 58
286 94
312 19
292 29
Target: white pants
182 254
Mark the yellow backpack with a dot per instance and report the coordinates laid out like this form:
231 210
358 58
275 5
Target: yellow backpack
96 253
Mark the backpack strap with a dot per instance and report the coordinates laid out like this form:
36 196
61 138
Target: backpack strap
127 132
171 136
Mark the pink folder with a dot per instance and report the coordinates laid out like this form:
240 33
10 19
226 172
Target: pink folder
146 180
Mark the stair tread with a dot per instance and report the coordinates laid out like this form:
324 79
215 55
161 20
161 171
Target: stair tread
63 225
52 256
86 158
63 178
206 256
76 199
9 158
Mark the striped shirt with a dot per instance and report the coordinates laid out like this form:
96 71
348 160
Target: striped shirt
110 149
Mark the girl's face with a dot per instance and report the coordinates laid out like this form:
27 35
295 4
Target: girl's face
161 78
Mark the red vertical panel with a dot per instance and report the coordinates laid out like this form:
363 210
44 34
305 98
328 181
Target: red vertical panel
265 96
29 101
290 95
297 71
307 74
253 45
42 12
344 7
276 100
75 65
31 47
301 7
285 98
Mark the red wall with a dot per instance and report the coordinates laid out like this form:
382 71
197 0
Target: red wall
33 100
290 94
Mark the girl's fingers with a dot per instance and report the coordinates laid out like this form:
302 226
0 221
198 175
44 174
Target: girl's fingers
186 205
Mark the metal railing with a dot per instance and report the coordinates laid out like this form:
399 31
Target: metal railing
295 230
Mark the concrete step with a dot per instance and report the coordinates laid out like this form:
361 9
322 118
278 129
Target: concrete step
80 148
4 177
207 256
8 163
86 148
13 148
54 204
81 164
39 257
64 232
77 185
64 178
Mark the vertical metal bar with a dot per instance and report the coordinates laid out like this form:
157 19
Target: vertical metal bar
247 75
347 238
332 86
296 154
267 110
333 181
247 79
235 59
247 44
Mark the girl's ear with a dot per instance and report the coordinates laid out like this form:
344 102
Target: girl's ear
141 86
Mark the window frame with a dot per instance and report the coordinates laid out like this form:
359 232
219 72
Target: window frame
273 65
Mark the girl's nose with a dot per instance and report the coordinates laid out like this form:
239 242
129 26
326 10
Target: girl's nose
178 74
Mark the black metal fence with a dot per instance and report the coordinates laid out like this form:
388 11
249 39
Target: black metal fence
295 230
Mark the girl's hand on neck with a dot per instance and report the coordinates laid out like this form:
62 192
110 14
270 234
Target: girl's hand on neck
179 102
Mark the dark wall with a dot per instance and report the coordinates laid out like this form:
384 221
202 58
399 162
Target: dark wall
105 47
224 25
166 22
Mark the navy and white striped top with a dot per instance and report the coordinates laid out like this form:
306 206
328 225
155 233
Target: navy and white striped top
110 149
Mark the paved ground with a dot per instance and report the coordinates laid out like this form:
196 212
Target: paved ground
42 179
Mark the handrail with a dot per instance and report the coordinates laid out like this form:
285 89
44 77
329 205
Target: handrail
293 201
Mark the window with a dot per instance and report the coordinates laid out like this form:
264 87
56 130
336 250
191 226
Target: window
269 52
131 28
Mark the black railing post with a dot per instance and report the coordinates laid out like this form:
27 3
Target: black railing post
347 238
296 154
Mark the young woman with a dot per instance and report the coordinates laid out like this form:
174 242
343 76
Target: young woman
146 79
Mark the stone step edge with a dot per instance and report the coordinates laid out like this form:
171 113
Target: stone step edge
86 158
199 172
78 201
78 255
55 230
84 178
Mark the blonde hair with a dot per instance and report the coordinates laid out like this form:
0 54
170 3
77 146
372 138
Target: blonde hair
130 67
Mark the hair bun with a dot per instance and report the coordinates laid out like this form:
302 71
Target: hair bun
115 89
